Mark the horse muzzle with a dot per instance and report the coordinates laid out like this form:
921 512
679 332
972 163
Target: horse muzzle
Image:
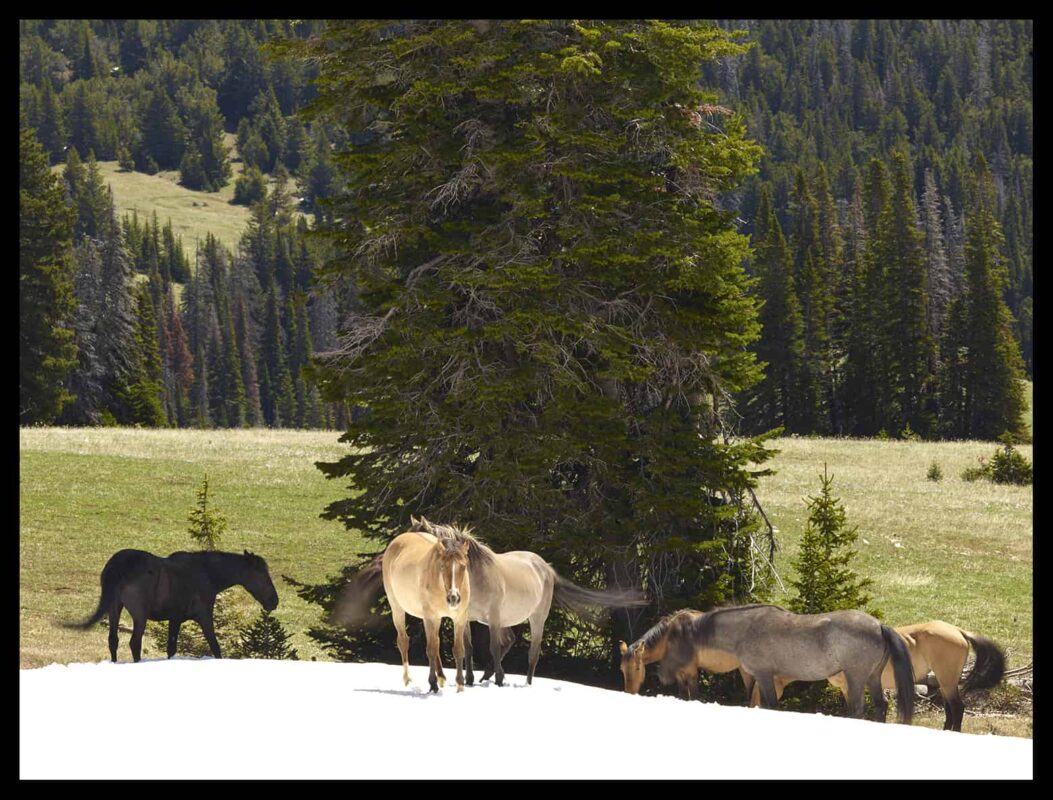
271 604
453 599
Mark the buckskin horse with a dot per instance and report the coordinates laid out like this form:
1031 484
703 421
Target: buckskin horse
937 646
423 575
178 588
767 641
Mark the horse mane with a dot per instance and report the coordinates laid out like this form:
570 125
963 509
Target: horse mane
655 634
478 552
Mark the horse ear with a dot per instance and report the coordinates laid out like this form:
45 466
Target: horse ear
248 553
427 525
414 521
622 648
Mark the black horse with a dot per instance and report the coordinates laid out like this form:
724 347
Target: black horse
181 587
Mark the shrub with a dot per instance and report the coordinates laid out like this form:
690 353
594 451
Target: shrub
934 473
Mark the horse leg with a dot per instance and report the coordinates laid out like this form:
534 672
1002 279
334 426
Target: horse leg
496 655
138 626
469 677
953 708
752 692
431 631
766 684
115 619
398 616
877 695
459 632
209 630
537 633
173 635
854 696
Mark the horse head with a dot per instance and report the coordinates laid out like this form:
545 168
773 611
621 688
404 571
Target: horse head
633 667
258 582
453 569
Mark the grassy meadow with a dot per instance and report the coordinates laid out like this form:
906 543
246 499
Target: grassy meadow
951 550
193 214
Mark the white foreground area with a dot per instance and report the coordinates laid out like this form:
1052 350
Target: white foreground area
203 718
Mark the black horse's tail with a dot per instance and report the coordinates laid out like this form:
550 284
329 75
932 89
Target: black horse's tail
903 670
109 581
990 663
353 606
583 602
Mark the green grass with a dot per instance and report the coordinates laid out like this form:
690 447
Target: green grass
950 550
956 551
86 493
193 214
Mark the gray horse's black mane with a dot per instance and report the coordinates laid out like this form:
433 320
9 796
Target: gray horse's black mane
702 625
649 639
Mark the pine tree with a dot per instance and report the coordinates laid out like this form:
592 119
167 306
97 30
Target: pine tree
542 281
825 582
910 346
983 385
777 401
46 305
164 134
265 638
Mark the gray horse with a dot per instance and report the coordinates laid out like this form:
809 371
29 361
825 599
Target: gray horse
769 642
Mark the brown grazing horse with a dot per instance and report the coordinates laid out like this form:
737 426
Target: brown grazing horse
937 646
767 641
652 647
426 576
178 588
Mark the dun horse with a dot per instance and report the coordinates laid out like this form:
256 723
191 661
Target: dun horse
942 648
178 588
506 589
767 641
426 576
519 586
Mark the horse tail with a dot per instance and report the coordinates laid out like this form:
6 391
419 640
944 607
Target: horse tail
903 670
109 581
583 601
990 663
353 606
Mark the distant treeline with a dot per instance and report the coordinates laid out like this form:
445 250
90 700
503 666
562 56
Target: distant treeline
877 232
892 223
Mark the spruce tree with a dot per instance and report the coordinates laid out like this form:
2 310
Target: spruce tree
984 372
825 581
777 400
46 304
554 313
265 637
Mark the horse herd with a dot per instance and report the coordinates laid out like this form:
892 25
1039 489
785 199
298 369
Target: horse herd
436 571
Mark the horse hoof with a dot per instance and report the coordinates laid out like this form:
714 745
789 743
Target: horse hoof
460 687
442 682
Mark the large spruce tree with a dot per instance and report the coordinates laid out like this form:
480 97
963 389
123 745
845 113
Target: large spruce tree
46 350
554 310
